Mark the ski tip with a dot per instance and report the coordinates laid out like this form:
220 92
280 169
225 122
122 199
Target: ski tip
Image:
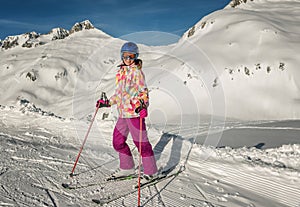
67 186
97 201
109 179
73 175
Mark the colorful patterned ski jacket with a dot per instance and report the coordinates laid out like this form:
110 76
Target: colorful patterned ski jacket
130 89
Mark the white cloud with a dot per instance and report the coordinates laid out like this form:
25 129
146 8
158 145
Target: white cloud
7 22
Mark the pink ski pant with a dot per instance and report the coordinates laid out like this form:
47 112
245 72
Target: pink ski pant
120 134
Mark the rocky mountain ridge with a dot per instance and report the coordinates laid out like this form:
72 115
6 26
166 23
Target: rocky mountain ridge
33 39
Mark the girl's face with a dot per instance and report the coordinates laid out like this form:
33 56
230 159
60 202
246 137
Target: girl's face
128 58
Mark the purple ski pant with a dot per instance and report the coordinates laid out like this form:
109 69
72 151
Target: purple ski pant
121 131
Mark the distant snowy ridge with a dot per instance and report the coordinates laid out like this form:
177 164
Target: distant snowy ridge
235 3
32 39
286 156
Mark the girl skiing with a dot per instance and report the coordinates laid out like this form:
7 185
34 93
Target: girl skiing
131 98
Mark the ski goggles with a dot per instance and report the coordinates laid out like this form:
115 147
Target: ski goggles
129 57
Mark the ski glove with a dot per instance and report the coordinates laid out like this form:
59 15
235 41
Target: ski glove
102 103
142 110
143 113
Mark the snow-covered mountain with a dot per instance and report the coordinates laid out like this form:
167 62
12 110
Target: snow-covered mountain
32 39
243 57
254 47
47 73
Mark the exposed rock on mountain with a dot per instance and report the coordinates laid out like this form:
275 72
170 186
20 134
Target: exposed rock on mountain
59 33
235 3
32 39
82 26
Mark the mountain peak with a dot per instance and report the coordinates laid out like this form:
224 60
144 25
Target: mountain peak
84 25
25 40
235 3
32 39
59 33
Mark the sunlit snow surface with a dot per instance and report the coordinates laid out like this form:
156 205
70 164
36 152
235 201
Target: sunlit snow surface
38 153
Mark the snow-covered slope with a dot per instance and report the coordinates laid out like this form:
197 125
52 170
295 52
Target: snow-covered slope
48 73
38 150
254 48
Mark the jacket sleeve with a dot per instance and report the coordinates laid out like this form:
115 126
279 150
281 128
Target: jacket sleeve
141 88
113 99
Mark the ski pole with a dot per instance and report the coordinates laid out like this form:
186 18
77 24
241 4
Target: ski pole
85 138
140 163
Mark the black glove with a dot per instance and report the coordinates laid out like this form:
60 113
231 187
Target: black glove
142 106
103 101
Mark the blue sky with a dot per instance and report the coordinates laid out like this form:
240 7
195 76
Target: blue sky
114 17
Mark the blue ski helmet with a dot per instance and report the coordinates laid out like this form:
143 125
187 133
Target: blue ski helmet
130 47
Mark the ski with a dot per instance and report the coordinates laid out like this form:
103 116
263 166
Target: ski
108 179
120 178
162 176
78 186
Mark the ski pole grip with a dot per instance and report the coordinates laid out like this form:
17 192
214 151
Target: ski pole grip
103 96
143 105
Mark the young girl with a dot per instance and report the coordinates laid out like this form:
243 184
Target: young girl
131 98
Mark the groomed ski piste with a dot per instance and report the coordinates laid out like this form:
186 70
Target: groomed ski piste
224 103
38 151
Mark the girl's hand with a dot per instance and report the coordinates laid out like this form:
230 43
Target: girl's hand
143 113
102 103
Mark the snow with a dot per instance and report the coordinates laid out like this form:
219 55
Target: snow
224 103
38 152
259 57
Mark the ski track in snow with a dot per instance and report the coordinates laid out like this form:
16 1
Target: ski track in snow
37 156
247 180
